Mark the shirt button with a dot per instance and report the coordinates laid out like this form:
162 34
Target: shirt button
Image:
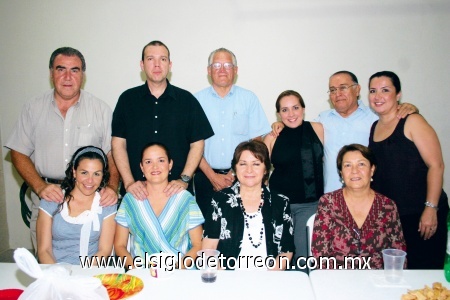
156 117
156 131
156 102
66 160
66 145
223 139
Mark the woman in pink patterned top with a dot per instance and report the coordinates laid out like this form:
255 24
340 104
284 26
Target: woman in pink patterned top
354 224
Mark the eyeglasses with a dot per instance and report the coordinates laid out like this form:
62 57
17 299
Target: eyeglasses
218 65
358 241
342 88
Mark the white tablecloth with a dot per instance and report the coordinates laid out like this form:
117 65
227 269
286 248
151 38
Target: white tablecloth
187 284
369 284
321 285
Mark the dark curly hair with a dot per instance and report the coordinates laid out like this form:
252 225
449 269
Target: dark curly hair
89 152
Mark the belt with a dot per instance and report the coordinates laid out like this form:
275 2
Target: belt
51 180
222 171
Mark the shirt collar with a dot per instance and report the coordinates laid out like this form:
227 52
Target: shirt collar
168 92
230 93
80 99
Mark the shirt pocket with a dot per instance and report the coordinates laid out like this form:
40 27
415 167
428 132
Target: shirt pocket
85 135
240 124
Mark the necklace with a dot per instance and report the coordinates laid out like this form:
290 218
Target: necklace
247 217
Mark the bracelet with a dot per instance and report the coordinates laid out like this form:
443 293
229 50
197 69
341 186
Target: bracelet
429 204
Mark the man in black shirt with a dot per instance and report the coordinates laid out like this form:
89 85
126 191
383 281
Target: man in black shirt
158 112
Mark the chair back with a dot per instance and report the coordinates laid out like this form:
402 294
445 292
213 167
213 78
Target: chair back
25 210
309 232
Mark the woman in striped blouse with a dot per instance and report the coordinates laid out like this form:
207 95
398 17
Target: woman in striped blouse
159 223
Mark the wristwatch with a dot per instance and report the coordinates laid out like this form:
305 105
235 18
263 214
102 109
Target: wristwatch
185 178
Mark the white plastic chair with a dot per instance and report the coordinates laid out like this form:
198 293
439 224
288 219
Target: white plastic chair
309 232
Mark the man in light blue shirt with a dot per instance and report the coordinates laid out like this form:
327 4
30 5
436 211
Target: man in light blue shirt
235 115
349 122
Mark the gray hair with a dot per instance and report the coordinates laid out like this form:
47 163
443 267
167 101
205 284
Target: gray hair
233 57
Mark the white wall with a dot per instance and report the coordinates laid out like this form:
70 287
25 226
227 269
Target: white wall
279 45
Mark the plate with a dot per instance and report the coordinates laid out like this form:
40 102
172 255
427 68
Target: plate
121 286
10 294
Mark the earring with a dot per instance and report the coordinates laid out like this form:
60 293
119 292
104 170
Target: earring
170 172
143 175
342 181
371 179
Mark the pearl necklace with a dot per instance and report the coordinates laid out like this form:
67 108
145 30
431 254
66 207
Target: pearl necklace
247 216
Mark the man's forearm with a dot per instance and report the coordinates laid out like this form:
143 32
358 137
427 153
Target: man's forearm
25 167
120 155
113 173
194 157
205 167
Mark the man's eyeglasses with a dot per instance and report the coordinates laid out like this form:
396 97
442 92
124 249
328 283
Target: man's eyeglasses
358 240
218 65
342 88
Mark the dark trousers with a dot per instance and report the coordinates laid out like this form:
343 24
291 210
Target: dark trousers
204 190
425 254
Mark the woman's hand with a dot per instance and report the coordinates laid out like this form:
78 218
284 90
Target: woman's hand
428 223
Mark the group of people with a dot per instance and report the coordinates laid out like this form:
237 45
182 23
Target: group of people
168 145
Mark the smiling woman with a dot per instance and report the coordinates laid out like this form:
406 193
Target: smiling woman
411 170
356 221
297 157
248 221
79 226
159 223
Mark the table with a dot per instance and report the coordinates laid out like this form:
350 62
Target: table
369 284
14 278
320 285
186 284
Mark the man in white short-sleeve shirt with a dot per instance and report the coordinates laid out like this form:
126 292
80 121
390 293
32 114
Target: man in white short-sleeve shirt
51 127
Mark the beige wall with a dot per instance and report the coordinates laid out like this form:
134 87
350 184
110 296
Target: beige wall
279 45
4 233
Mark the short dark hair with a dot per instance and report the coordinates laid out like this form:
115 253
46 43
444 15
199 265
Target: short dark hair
258 149
289 93
164 147
155 43
365 152
353 76
67 51
392 76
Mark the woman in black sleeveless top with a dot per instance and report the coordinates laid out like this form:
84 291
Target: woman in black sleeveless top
296 155
410 172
